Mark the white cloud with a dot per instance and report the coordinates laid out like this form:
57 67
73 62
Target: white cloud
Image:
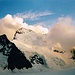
38 28
33 15
9 25
63 32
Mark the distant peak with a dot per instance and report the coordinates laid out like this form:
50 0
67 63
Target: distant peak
3 35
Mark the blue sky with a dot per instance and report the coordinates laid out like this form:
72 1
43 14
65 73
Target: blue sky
58 8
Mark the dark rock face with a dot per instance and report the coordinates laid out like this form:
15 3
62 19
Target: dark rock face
5 45
59 51
36 58
16 59
73 54
4 40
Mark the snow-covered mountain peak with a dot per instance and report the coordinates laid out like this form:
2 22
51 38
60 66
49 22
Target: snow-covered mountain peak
13 57
29 50
23 30
28 36
31 43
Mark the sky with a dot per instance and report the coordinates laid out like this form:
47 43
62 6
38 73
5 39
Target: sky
52 17
58 8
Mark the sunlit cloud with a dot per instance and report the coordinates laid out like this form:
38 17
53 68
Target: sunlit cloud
9 25
61 35
63 32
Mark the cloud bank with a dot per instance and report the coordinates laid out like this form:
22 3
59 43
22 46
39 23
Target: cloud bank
9 24
62 34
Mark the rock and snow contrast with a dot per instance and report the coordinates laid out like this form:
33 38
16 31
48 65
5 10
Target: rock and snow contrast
29 51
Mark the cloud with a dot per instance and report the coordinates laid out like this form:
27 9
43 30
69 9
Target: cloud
38 28
9 25
57 46
33 15
63 33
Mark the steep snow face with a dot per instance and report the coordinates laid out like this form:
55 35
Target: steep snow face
33 45
29 37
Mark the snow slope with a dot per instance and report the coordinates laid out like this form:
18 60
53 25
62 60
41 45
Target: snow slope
33 43
39 55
